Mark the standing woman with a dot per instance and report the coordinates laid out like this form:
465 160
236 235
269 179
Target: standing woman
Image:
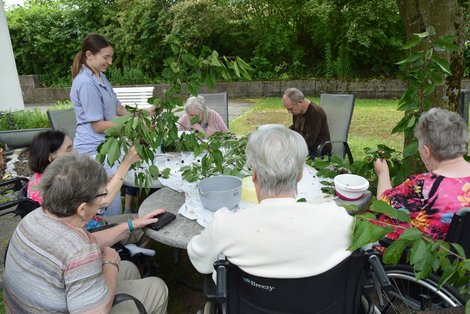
94 100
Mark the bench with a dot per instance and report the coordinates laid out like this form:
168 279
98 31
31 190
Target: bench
134 96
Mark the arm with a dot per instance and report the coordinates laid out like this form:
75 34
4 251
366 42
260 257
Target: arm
121 110
202 251
219 123
383 175
101 125
109 237
110 273
115 184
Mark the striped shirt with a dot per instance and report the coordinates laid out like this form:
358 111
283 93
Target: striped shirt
53 267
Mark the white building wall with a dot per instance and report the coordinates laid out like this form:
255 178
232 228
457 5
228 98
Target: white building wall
10 89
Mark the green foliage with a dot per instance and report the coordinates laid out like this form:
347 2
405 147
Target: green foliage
147 133
23 119
281 39
419 250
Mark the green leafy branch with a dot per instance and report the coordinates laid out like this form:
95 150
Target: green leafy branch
149 132
419 250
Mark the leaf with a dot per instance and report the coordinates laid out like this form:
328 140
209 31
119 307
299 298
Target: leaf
154 172
218 159
411 234
445 43
410 149
365 233
458 248
417 252
442 63
215 59
384 208
166 173
412 42
394 252
113 151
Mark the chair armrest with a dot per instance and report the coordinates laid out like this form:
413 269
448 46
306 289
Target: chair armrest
120 297
347 150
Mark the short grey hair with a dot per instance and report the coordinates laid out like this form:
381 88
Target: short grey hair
199 103
277 154
295 95
444 132
69 181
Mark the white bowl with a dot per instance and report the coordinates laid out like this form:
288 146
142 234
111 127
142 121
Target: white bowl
350 187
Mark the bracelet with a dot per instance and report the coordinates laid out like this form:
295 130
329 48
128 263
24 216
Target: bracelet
131 226
112 263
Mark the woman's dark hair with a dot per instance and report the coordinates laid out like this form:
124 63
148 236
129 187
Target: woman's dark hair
44 144
93 42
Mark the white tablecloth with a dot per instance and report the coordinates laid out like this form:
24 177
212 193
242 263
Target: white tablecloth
309 186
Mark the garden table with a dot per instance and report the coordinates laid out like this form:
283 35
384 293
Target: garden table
178 233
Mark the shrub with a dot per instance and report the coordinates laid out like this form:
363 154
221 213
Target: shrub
23 119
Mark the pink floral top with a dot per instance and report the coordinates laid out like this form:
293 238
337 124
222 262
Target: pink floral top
33 191
214 123
431 200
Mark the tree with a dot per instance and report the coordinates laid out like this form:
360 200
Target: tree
447 18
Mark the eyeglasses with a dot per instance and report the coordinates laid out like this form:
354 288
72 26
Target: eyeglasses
102 194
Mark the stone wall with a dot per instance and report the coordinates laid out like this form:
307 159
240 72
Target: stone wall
33 93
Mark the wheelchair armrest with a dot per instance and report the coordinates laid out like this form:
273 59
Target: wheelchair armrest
379 271
347 150
221 287
120 297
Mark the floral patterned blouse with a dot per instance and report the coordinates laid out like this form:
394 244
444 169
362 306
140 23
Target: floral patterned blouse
431 200
33 192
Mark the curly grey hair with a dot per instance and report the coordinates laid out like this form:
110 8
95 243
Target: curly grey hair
69 181
277 154
199 104
445 133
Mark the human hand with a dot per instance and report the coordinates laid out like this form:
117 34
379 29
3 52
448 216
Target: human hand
131 156
110 254
147 219
381 166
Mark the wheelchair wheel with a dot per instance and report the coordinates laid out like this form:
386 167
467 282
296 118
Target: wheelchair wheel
410 295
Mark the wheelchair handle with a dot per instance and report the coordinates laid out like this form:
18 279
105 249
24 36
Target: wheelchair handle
379 271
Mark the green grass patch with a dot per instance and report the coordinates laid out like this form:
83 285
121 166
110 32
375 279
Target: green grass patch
372 121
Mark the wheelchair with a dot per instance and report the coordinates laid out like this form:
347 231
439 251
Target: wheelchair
359 284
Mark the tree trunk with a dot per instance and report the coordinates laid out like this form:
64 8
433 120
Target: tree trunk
447 18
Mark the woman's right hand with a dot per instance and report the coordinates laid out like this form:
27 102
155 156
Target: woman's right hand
131 157
381 166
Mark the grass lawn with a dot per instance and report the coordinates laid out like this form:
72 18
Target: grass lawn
372 121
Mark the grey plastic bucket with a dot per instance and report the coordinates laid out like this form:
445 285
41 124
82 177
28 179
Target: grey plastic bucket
220 191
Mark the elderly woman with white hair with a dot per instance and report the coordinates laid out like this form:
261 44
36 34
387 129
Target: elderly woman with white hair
279 238
433 197
200 118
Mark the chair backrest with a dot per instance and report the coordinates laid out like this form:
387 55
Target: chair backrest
338 290
459 230
217 102
339 109
64 120
134 96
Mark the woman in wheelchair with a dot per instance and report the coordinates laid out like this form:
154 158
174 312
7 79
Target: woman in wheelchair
54 265
49 145
433 197
279 238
